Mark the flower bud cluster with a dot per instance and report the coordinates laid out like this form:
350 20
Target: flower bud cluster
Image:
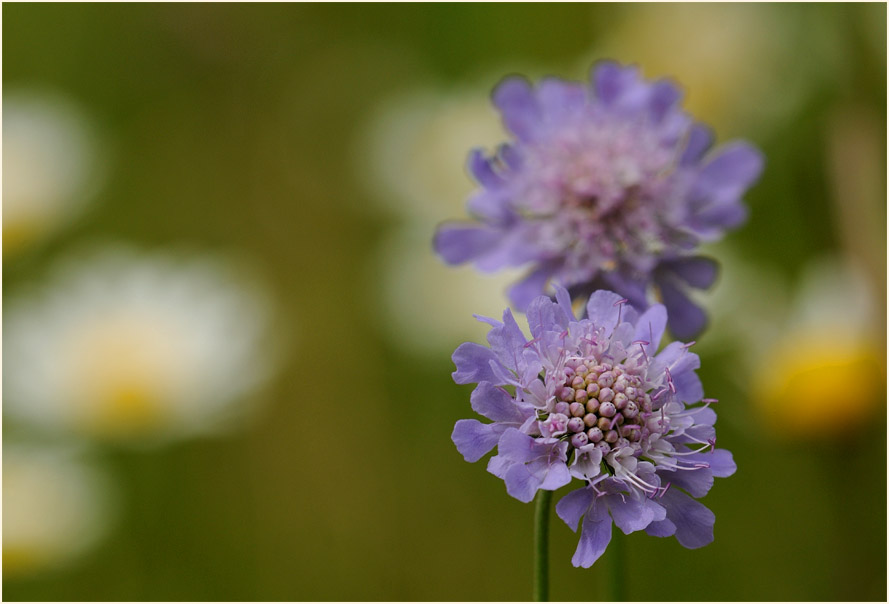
600 403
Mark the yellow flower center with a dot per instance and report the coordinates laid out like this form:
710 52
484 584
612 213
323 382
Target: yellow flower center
20 560
812 386
126 376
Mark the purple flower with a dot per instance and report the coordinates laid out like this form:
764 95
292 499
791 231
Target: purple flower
591 399
610 186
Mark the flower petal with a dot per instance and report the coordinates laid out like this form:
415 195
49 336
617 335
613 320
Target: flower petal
458 244
523 480
698 271
523 293
700 137
480 167
700 432
529 464
545 315
686 319
630 288
555 474
515 99
730 172
697 482
574 505
520 483
558 98
475 439
664 528
475 363
595 535
719 461
682 364
613 82
498 466
603 309
496 404
634 513
693 520
507 341
713 220
650 327
663 96
518 447
722 464
703 415
563 298
511 156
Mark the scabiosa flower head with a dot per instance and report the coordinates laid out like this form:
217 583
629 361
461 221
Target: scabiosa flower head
609 186
591 399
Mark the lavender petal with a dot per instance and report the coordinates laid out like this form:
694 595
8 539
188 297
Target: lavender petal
515 99
475 439
595 535
693 520
474 364
574 505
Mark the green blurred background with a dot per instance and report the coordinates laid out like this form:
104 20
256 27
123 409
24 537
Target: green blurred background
244 128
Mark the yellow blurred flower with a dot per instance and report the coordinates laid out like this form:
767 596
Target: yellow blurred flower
50 166
815 384
826 369
55 507
126 345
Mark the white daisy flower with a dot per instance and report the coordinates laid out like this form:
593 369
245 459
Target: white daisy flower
121 345
51 165
719 66
412 154
412 157
428 306
55 507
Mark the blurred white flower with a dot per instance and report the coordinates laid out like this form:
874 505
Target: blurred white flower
120 344
55 507
413 157
428 306
414 150
745 305
51 165
719 53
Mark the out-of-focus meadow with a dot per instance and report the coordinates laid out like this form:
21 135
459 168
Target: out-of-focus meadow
227 340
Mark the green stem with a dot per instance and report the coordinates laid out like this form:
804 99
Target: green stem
617 547
541 546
